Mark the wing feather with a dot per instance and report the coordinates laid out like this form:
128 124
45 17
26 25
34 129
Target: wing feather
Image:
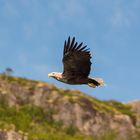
64 47
81 49
72 43
79 46
76 59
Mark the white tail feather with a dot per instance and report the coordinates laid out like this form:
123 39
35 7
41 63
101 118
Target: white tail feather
100 81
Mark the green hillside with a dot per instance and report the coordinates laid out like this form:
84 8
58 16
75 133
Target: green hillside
40 111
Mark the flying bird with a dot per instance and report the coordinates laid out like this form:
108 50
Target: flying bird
77 65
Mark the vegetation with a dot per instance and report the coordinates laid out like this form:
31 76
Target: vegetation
36 123
32 120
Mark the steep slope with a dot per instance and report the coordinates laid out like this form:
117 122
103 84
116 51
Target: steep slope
135 107
42 111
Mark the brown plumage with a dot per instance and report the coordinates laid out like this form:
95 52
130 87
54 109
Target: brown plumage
77 65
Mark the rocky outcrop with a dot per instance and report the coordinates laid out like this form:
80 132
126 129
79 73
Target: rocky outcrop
136 108
11 135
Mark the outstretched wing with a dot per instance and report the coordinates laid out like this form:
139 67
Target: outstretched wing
76 59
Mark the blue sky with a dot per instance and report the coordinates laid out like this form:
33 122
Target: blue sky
32 34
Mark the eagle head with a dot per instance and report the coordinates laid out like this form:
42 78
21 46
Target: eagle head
55 75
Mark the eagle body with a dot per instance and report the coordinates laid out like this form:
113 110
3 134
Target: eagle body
72 81
77 65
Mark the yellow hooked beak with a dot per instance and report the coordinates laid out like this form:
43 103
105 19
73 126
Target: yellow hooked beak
50 75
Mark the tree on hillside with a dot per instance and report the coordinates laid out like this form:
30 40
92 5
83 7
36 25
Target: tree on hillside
8 71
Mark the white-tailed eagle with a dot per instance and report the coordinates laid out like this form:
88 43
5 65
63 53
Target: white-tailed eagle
77 65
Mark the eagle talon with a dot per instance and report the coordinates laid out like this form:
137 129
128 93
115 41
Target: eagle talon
92 85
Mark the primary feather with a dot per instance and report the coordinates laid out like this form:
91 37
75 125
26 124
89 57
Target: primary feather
76 59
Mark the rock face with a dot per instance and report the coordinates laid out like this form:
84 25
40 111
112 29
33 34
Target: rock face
11 135
136 108
71 107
